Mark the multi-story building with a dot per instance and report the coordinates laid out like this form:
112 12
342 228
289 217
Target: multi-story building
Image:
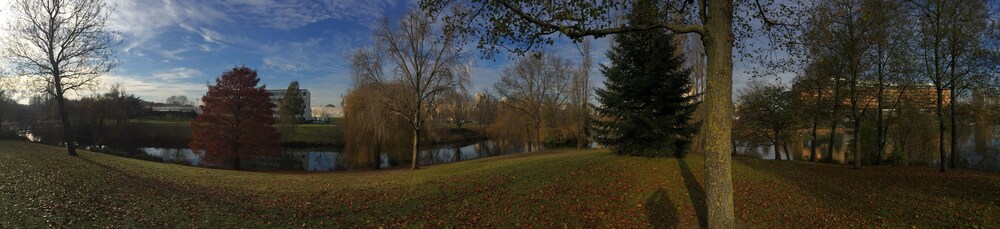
277 95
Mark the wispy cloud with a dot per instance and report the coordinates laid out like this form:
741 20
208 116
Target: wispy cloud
142 21
175 74
154 89
286 15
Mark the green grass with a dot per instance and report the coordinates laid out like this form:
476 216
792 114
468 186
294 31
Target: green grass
41 186
318 133
179 122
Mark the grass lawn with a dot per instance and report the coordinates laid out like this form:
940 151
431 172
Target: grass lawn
41 186
318 133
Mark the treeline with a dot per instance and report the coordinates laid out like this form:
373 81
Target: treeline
898 79
540 100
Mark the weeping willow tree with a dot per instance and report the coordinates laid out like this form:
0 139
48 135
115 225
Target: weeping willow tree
371 129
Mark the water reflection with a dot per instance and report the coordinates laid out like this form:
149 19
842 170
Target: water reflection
308 159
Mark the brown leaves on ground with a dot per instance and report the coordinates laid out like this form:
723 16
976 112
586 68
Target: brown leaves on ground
43 187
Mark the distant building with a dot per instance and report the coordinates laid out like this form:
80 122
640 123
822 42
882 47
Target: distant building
175 108
277 95
922 96
327 112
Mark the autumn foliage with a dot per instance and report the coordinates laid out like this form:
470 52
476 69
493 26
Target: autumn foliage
236 122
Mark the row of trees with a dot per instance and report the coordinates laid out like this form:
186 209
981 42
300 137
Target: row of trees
539 99
878 59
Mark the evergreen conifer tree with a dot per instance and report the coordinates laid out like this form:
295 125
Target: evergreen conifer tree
646 105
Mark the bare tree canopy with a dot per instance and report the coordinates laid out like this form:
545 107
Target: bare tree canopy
60 45
425 61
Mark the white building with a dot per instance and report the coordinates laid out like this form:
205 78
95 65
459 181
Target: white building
277 95
327 112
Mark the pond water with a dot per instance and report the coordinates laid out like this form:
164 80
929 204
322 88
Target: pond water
312 159
174 149
985 157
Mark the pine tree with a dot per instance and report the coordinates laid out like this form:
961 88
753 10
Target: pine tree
291 111
646 103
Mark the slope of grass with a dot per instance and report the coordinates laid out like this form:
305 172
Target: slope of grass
41 186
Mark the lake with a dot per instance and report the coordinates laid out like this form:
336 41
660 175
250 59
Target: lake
168 144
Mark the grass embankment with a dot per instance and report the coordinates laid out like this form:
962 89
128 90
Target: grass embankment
42 186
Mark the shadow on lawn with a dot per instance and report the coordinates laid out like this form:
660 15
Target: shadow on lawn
696 192
662 212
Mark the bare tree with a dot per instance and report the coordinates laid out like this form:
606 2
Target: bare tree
535 85
458 103
425 61
64 45
485 111
949 35
580 96
177 100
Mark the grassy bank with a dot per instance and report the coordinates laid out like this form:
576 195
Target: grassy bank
42 186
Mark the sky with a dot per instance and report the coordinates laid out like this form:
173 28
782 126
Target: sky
176 47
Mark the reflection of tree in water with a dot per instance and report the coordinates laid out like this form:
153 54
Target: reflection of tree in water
980 151
320 161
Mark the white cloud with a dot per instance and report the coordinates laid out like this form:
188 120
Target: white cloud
142 21
152 89
175 74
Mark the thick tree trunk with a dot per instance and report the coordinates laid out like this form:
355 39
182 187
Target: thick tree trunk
833 137
788 153
416 148
777 153
68 135
718 41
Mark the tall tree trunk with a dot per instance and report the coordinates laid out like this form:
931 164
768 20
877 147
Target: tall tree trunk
538 135
940 118
879 123
416 148
833 139
954 126
815 123
788 153
857 142
718 41
68 135
777 152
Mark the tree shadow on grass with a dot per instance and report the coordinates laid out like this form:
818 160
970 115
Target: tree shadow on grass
661 211
695 191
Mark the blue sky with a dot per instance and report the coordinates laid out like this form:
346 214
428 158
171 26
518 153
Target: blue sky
174 47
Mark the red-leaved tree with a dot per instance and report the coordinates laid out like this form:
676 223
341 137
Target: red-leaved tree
236 121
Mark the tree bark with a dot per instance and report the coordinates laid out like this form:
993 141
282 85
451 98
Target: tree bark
718 39
879 123
788 154
416 148
857 142
954 126
940 118
777 152
815 123
67 128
